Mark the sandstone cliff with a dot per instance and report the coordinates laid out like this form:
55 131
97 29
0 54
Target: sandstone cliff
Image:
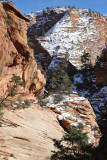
26 134
76 111
15 55
77 31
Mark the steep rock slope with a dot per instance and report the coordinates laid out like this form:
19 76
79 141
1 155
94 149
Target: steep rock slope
15 55
43 20
76 111
27 133
77 31
42 56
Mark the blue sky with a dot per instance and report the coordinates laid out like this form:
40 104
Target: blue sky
27 6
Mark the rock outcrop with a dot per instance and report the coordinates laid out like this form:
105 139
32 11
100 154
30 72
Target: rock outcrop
101 69
27 134
78 31
76 111
42 21
15 55
42 56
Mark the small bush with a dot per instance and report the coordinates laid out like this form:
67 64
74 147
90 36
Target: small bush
43 33
27 102
9 22
58 98
30 44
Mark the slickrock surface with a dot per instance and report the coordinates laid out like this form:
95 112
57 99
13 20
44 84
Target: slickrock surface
15 55
27 134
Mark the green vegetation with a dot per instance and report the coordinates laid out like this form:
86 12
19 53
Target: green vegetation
58 98
85 59
73 146
30 44
9 22
59 81
41 99
11 92
43 33
57 48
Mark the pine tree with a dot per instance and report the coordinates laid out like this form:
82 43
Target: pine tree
85 59
11 92
59 80
73 146
43 33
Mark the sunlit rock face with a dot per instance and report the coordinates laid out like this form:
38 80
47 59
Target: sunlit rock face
15 55
75 111
77 31
26 134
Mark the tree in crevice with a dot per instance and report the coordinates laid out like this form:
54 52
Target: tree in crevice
86 70
11 92
73 146
85 59
59 80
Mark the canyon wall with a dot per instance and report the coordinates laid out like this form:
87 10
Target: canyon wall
15 55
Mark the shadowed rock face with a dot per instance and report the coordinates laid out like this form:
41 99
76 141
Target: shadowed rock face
43 21
101 69
15 55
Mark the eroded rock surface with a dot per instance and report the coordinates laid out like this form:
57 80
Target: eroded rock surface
76 32
15 55
76 111
27 134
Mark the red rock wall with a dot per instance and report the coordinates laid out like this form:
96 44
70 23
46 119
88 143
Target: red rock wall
15 55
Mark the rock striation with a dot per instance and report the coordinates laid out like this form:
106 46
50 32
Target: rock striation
15 55
26 134
76 111
76 32
42 21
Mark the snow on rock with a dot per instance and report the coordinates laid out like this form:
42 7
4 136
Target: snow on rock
73 33
78 78
103 91
74 111
44 20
